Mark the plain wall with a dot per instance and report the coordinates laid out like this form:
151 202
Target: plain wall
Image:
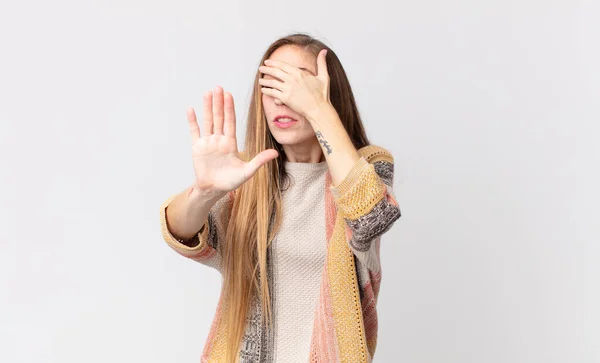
490 109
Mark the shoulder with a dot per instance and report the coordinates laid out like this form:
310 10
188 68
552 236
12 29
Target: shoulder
374 153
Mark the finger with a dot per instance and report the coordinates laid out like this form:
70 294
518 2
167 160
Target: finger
218 111
229 115
322 64
284 66
194 129
272 92
208 114
275 72
259 160
273 83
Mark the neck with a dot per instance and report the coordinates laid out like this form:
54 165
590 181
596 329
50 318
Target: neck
306 153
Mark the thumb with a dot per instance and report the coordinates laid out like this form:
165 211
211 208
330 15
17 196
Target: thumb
322 71
259 160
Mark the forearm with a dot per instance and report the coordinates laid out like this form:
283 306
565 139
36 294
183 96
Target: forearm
188 212
340 153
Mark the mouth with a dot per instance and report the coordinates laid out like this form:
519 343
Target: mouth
283 119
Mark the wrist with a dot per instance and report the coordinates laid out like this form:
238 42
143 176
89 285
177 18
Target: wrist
196 193
320 112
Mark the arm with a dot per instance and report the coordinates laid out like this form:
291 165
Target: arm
366 201
188 213
190 222
339 151
362 183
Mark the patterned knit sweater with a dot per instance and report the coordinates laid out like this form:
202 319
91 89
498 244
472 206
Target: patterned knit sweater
323 265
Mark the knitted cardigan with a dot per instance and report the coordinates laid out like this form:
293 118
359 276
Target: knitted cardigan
358 211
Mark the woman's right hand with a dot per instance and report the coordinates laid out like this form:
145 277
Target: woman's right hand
215 155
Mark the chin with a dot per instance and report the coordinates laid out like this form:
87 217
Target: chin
286 139
291 137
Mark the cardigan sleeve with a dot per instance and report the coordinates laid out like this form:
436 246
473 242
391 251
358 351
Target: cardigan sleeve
367 202
204 247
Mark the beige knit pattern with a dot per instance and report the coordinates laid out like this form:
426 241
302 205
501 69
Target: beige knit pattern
299 252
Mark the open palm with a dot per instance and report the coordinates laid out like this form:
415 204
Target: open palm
215 155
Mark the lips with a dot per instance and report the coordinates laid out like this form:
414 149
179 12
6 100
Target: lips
284 121
284 125
284 117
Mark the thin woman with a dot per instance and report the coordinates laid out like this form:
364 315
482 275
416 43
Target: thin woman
292 222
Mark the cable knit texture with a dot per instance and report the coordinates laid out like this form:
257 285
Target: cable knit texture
324 266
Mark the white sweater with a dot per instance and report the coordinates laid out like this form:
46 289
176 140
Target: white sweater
298 254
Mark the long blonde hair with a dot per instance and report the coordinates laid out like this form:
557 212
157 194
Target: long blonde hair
257 205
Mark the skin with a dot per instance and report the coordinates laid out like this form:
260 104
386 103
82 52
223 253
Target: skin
294 83
298 83
288 89
299 142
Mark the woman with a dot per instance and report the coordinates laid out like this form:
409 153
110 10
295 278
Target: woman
294 221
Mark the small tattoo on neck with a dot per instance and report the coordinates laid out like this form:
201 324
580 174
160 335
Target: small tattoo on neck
323 142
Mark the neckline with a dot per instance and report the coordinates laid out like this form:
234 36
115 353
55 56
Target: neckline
290 166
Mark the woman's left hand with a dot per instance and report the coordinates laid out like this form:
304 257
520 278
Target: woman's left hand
300 90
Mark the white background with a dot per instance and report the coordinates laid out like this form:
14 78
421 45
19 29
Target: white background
490 109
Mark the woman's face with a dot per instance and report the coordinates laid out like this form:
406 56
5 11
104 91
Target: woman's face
301 131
